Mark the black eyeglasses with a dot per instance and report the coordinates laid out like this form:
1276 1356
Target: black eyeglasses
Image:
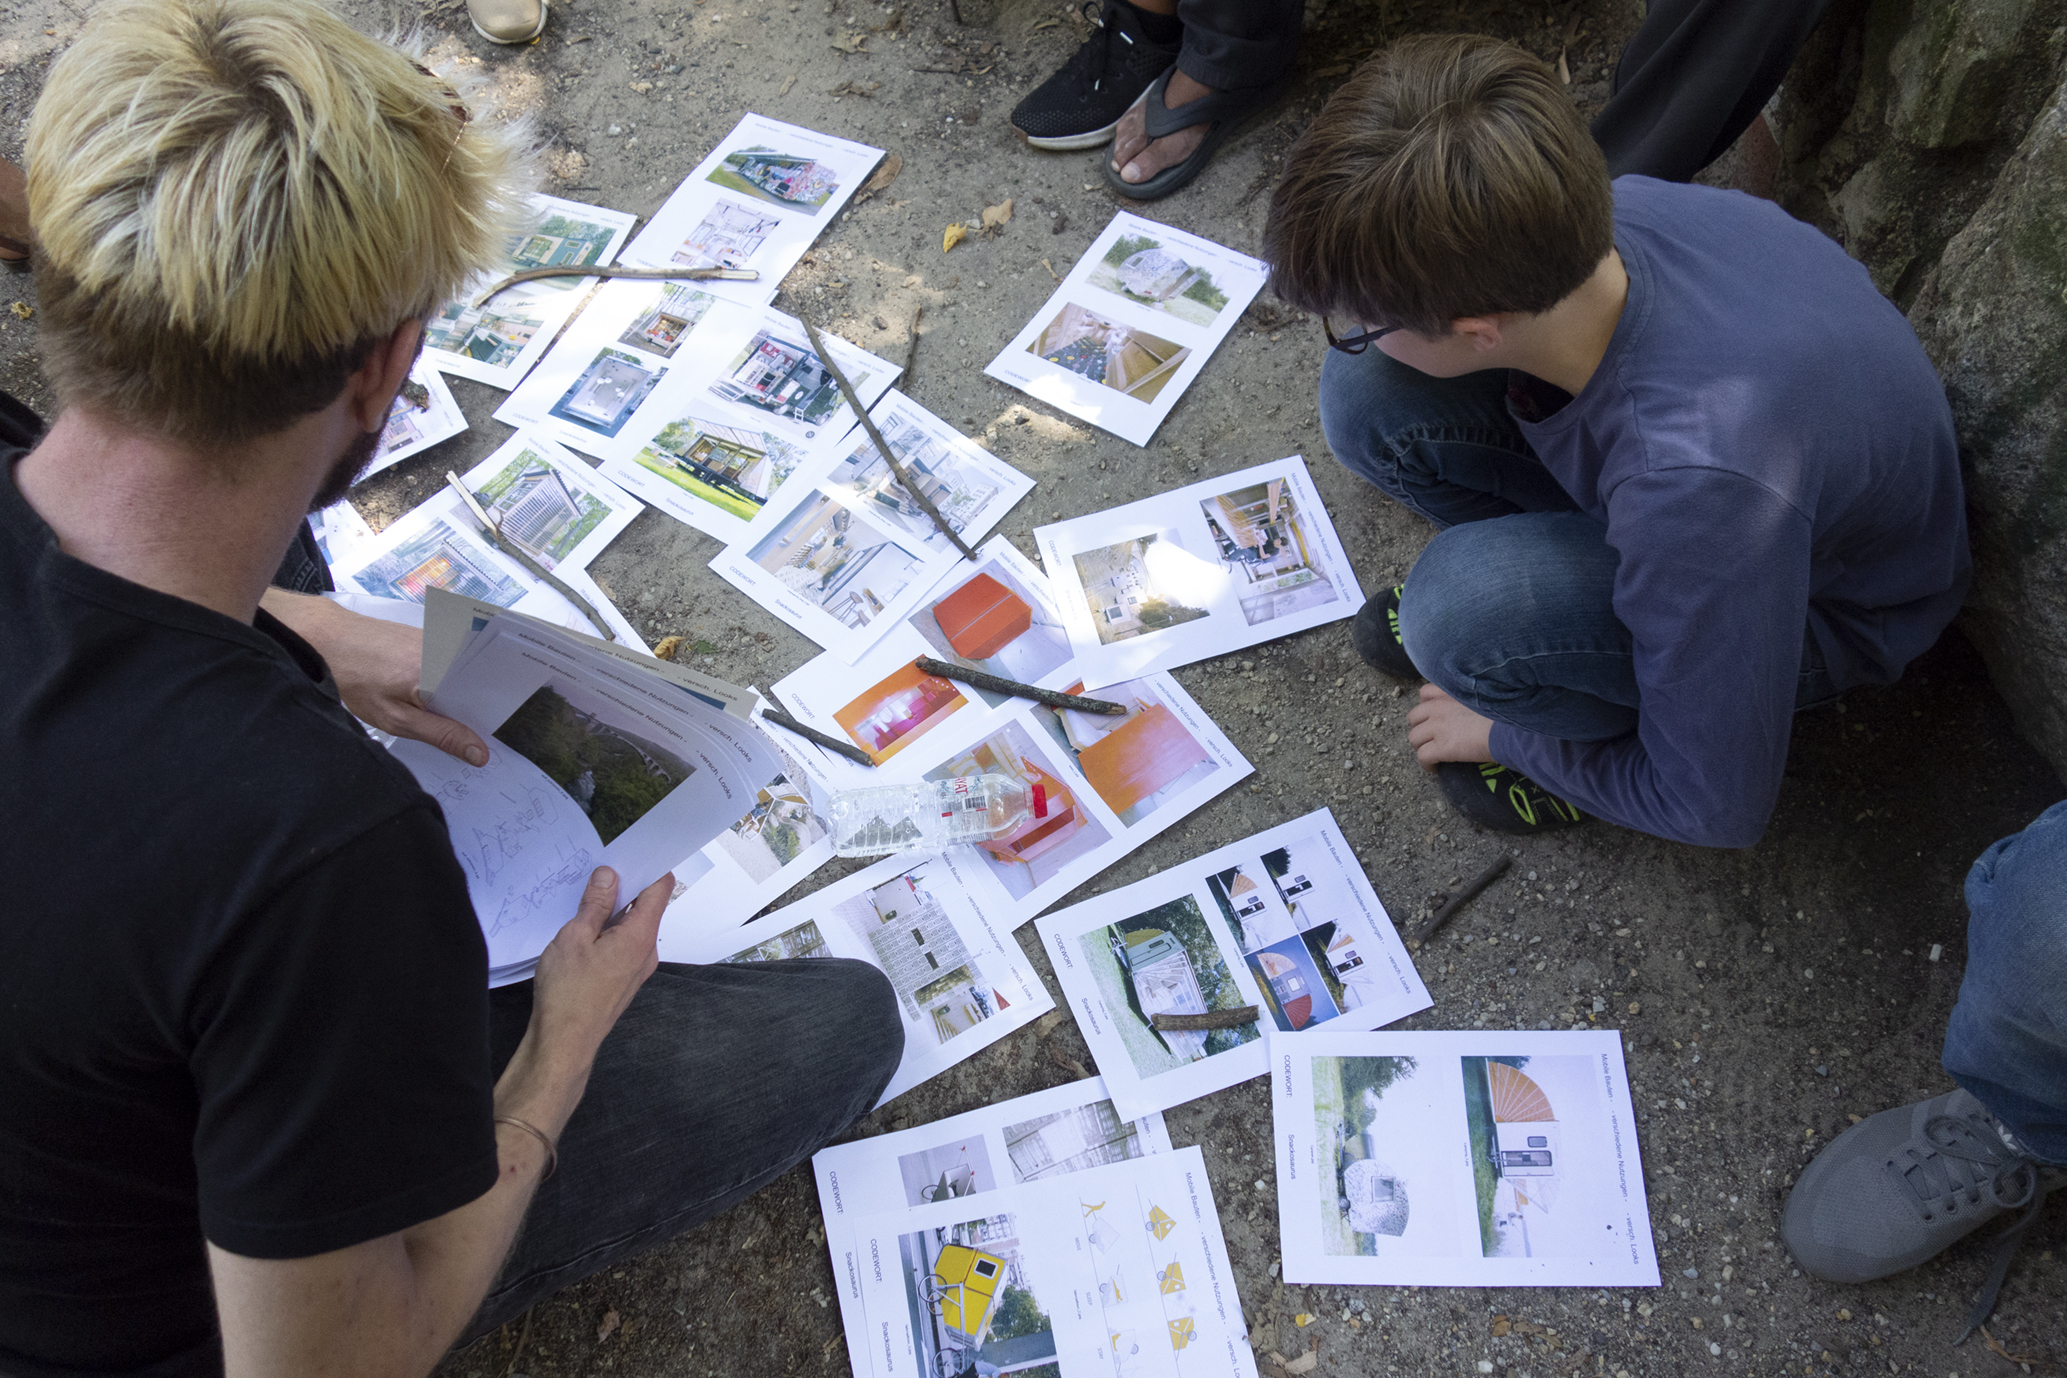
1355 344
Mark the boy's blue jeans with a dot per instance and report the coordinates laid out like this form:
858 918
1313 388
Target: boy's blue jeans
1510 611
2007 1040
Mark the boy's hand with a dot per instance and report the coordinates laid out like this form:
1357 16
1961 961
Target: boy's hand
1441 729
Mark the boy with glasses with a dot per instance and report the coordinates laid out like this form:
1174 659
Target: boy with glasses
1692 471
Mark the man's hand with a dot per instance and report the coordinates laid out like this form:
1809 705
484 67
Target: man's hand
377 665
587 975
1441 729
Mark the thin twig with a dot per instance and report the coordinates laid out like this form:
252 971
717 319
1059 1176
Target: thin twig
911 351
539 571
523 1334
1192 1023
998 684
776 714
868 423
650 274
1456 902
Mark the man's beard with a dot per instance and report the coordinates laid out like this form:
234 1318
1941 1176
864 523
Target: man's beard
350 467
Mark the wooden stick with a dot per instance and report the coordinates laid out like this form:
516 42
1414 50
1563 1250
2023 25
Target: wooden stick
868 423
652 274
811 734
538 571
1192 1023
1456 902
997 684
911 351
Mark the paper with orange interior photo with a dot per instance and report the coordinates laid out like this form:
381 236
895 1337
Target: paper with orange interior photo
1106 793
999 611
1213 567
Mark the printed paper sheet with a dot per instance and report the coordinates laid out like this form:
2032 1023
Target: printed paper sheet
1213 567
1118 1271
772 848
558 509
1131 326
962 983
1466 1159
850 557
757 201
1034 1138
497 342
1284 920
1001 611
746 418
415 426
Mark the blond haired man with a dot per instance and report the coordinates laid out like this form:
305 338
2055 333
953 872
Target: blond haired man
258 1111
1692 471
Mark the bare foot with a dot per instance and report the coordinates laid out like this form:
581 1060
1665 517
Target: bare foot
14 212
1134 157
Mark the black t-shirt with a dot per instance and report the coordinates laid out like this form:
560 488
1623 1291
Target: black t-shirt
243 995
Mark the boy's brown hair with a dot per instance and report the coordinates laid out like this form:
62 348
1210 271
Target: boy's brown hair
1450 176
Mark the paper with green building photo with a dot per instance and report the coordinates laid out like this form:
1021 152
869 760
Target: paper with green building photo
961 983
497 341
556 509
1481 1158
756 201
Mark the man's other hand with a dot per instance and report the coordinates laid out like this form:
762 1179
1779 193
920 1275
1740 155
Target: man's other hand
1441 729
377 665
587 974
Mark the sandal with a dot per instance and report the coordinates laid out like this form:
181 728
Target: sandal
1229 112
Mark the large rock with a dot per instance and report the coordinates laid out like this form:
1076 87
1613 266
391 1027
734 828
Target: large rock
1993 315
1929 137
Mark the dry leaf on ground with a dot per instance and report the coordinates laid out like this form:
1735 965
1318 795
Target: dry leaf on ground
787 82
953 235
608 1327
855 88
852 43
995 218
23 310
885 173
1304 1363
668 647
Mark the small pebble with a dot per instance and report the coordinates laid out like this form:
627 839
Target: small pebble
614 129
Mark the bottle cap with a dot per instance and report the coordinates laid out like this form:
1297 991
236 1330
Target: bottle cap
1040 801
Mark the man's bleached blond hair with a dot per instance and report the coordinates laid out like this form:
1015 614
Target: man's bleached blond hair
234 200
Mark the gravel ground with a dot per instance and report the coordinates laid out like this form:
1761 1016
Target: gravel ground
1766 996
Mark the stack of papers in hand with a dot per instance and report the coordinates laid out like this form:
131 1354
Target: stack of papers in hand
597 756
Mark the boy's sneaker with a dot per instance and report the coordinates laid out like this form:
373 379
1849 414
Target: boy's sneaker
1503 800
1080 105
1902 1186
1376 635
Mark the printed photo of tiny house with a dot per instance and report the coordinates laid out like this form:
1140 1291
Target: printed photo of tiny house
1131 362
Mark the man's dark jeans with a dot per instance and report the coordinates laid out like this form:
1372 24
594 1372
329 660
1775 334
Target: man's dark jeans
717 1080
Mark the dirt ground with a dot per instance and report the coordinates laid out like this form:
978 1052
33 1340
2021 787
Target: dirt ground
1766 996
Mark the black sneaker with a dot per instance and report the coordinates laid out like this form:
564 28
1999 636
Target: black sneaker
1503 800
1080 105
1376 635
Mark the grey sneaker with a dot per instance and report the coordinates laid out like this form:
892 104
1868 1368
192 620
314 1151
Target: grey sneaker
1903 1186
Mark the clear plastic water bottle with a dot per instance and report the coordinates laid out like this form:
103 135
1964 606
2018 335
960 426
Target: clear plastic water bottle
932 814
